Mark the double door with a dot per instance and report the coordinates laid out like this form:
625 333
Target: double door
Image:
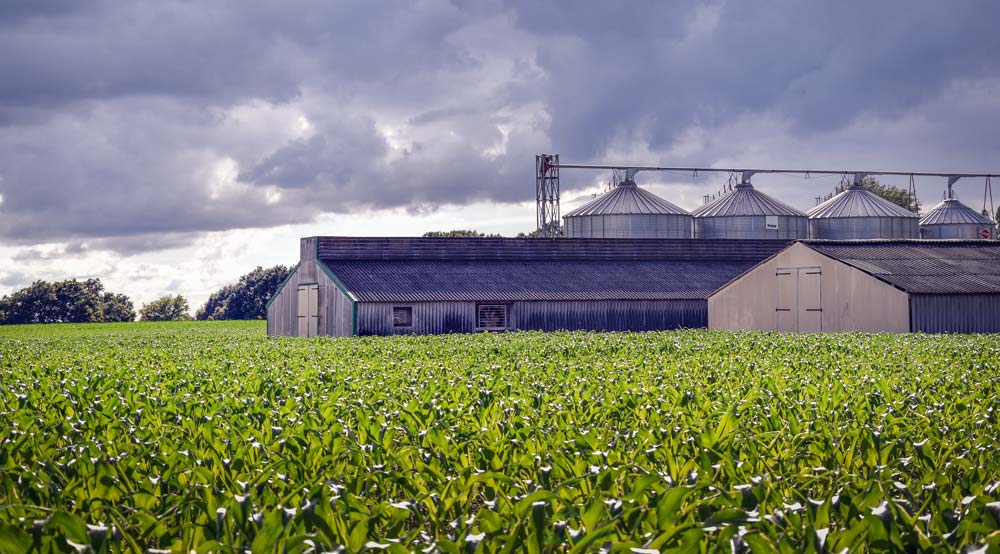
308 320
799 299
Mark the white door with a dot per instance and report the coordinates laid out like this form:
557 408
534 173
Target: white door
799 299
786 302
308 320
810 300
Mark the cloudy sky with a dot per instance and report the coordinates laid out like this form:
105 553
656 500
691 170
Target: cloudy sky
169 147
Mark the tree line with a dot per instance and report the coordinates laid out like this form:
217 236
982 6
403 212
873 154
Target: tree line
73 301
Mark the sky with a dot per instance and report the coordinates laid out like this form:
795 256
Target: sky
170 147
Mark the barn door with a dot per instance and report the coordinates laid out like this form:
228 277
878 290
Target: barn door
786 304
308 320
799 299
810 300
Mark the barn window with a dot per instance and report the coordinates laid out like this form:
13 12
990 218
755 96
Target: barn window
402 316
491 316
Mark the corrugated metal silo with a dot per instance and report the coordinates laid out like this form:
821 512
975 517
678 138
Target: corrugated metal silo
746 213
952 219
858 213
628 211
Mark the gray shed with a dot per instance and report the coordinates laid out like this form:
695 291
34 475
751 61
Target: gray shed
628 211
747 213
935 286
383 286
858 213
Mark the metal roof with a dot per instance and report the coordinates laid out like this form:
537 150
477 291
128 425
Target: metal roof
745 200
953 212
857 201
627 199
922 266
527 280
499 269
586 249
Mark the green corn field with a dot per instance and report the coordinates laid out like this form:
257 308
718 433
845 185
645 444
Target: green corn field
210 437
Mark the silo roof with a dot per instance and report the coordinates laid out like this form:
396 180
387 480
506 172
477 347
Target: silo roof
858 201
745 200
627 199
953 212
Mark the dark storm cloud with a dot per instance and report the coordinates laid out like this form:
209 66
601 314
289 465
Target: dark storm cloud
141 123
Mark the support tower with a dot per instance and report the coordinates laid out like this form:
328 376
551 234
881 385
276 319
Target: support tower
547 195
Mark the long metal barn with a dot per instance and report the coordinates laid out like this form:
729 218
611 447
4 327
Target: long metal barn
345 286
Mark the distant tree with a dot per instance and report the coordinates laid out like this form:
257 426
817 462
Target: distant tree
117 308
536 234
460 233
896 195
69 301
246 299
167 308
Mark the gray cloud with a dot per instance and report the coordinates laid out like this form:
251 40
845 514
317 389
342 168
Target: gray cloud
132 126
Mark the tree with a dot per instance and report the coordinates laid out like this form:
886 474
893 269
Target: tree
69 301
459 233
166 308
246 299
117 308
898 196
536 234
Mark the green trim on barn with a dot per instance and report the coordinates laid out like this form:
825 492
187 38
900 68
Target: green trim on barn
281 287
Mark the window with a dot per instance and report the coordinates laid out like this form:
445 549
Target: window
491 316
402 316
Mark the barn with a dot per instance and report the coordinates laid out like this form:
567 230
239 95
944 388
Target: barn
344 286
898 285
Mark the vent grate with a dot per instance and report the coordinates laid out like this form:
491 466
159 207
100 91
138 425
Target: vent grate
402 316
491 316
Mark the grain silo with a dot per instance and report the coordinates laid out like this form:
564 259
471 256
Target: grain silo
746 213
952 219
628 211
858 213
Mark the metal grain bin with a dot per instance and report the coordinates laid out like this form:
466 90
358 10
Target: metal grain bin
628 211
858 213
746 213
952 219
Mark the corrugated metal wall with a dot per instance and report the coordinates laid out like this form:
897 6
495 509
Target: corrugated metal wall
955 313
663 226
851 228
460 317
428 318
969 231
750 227
615 315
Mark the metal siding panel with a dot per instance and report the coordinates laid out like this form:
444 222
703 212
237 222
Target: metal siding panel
955 313
459 317
609 315
375 318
